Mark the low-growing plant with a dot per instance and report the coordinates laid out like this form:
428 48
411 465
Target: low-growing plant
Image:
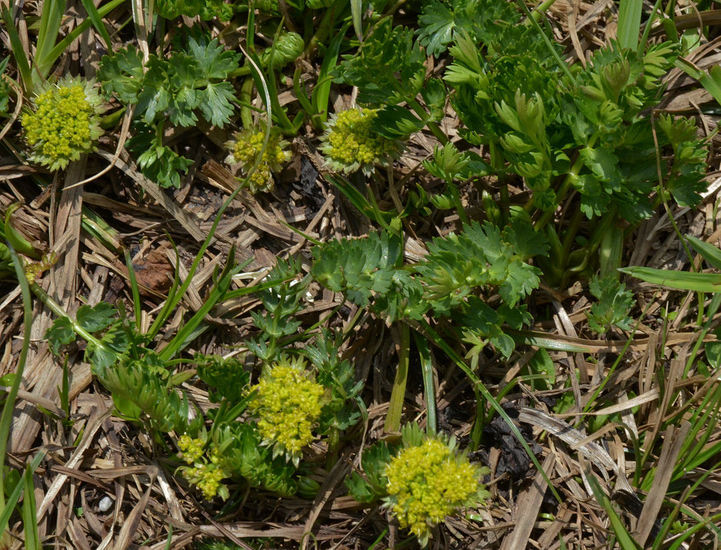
421 481
63 123
192 81
258 159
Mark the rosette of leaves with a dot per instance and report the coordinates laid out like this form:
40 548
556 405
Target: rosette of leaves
63 122
421 481
351 143
257 158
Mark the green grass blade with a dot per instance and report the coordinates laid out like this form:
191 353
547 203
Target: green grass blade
6 510
625 540
711 80
16 45
629 23
97 22
401 334
134 288
185 334
30 524
50 20
356 9
429 392
708 252
681 280
8 408
61 46
321 92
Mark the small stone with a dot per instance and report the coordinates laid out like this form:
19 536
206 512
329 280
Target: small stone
105 504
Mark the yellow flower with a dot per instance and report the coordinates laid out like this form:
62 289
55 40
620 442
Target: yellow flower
245 150
427 483
351 144
205 473
64 122
287 402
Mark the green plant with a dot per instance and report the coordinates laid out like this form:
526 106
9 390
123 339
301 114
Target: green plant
287 402
421 481
189 82
592 133
258 160
614 304
64 122
350 142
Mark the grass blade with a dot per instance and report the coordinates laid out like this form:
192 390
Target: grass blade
680 280
16 45
7 509
7 413
401 334
625 540
708 252
429 390
356 9
30 524
50 20
629 23
97 21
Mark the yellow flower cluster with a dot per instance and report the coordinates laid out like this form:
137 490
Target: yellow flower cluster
63 124
287 402
248 146
206 475
351 144
428 482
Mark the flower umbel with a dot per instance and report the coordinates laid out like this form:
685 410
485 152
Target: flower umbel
351 144
429 481
287 403
248 146
205 473
64 122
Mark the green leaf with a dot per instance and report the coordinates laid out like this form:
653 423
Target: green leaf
394 122
216 103
681 280
96 318
122 74
629 23
60 334
709 252
613 306
213 59
368 69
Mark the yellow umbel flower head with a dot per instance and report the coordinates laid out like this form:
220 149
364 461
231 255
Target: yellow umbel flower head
204 469
350 143
428 481
247 147
287 403
64 122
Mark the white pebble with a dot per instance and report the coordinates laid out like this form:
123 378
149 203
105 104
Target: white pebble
105 504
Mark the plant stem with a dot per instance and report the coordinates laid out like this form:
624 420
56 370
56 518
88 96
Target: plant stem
432 126
402 336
